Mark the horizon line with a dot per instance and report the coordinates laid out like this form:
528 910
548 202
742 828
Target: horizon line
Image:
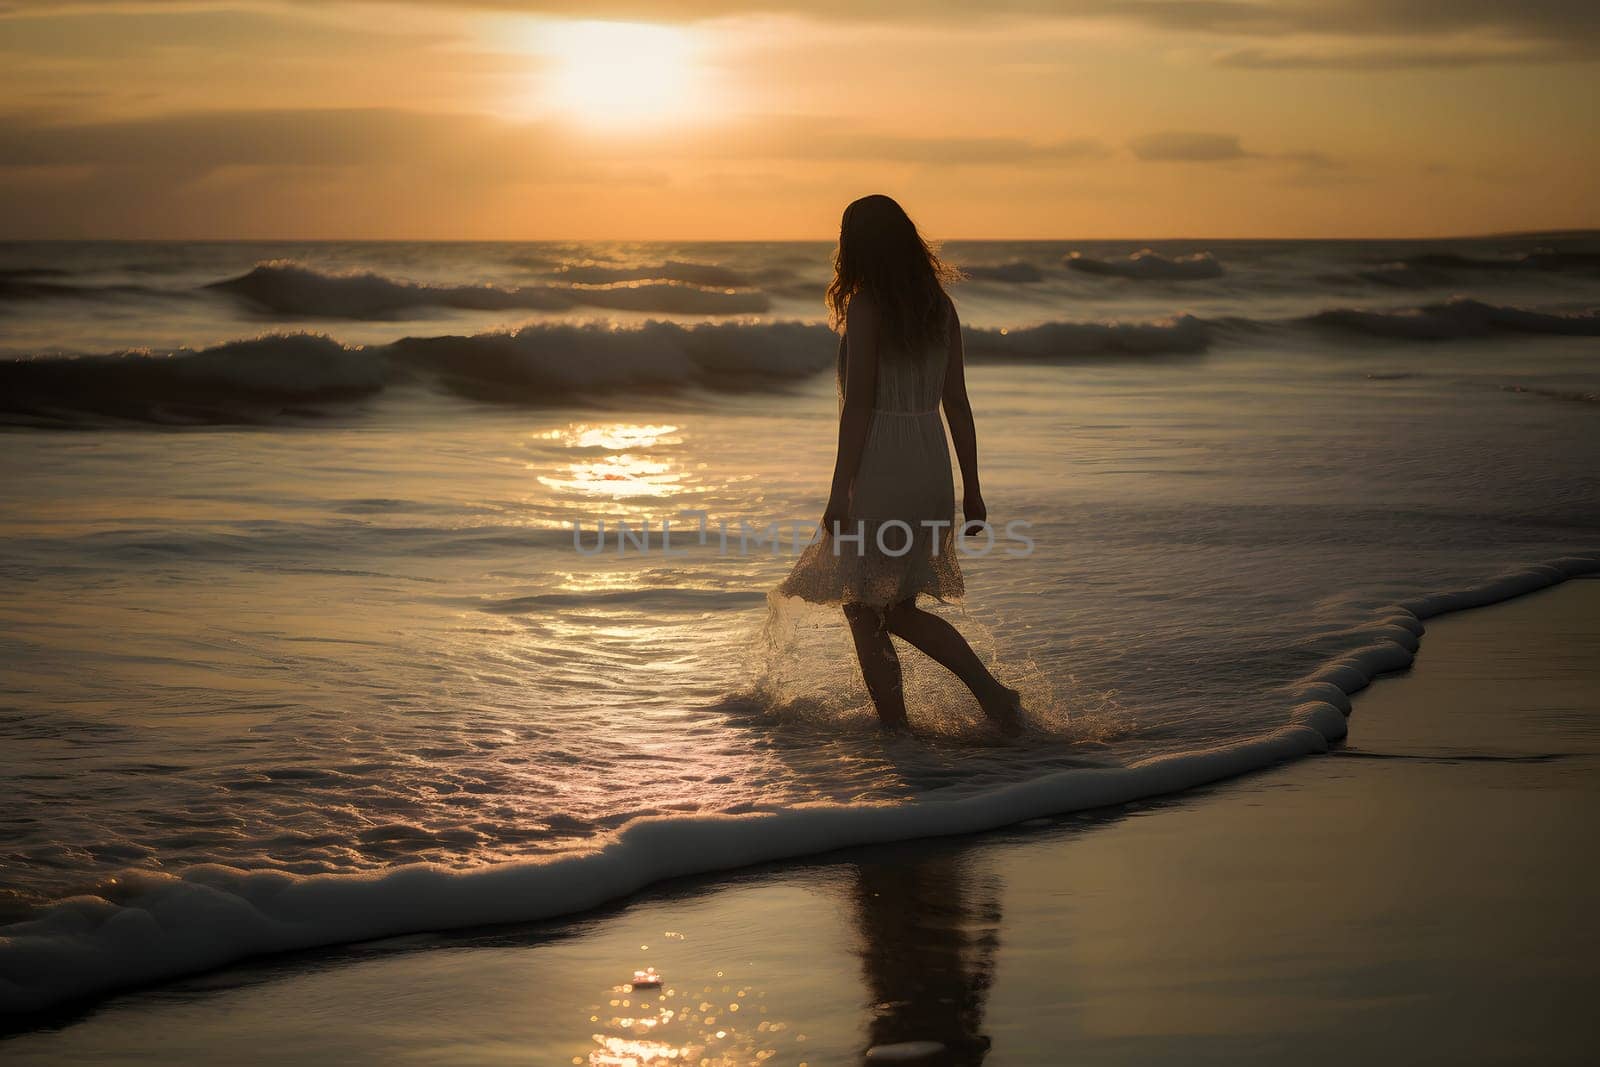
1576 231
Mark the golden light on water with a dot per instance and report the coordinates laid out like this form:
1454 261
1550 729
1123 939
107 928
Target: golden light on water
618 477
613 436
640 1038
626 471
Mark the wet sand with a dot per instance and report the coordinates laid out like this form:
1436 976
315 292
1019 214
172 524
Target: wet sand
1422 894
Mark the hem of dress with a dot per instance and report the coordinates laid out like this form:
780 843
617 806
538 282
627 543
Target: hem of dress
839 601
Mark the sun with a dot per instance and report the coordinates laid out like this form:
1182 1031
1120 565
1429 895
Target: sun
619 73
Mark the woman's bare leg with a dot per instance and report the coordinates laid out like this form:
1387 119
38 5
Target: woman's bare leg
943 643
880 667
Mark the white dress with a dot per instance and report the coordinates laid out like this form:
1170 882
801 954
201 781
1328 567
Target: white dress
902 502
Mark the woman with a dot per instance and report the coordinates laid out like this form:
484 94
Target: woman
888 529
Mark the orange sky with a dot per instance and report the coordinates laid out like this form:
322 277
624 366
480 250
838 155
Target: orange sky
1077 118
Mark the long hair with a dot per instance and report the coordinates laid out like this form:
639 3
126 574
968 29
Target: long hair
881 253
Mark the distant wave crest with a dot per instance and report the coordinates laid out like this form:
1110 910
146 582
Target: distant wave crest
1149 265
282 287
707 274
44 284
1016 272
1064 341
1456 319
1445 268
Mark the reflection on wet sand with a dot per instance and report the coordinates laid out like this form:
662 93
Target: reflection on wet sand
927 931
718 1024
929 927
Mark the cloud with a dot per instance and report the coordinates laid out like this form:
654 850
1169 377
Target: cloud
1259 35
1554 20
1188 147
386 170
832 139
207 140
1309 160
1407 56
1544 19
984 151
196 144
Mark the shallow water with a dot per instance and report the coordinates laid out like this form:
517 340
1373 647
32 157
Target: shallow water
329 630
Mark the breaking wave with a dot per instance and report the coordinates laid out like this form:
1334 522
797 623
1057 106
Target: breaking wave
563 363
544 363
241 381
549 363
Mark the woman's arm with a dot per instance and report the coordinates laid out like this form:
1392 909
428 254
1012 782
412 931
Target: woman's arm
963 433
860 392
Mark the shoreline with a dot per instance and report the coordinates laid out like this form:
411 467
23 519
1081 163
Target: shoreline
1396 753
263 915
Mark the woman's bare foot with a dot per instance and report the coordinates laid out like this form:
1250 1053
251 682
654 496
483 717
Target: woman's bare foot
1004 709
900 725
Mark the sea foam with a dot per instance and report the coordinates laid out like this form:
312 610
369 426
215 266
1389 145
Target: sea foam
154 926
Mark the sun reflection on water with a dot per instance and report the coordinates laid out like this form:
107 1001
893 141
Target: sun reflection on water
624 475
613 436
628 470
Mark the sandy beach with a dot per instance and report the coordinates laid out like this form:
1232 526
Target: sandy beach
1421 894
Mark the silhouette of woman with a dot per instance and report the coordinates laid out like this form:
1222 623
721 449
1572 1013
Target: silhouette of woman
888 529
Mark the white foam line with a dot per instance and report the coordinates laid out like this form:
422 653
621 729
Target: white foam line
212 915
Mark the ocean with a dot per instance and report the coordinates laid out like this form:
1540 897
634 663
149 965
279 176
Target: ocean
306 638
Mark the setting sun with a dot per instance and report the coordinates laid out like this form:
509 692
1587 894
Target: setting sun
619 73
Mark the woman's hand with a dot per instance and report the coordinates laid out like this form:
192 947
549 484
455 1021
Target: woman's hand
973 509
836 514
